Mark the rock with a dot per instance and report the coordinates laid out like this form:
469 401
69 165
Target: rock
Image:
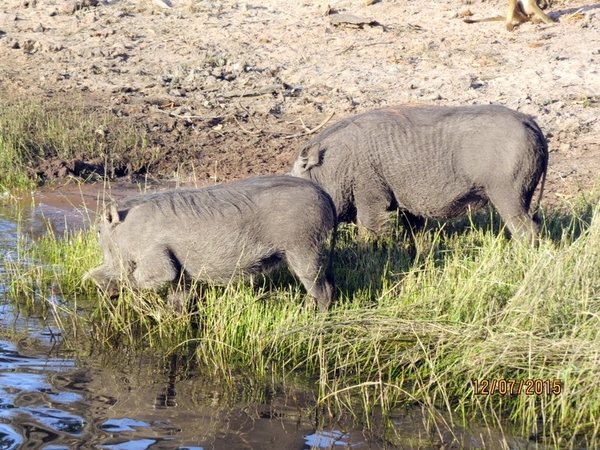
433 97
163 3
466 82
90 18
324 9
11 43
350 20
54 47
68 7
210 81
570 125
564 147
31 46
239 66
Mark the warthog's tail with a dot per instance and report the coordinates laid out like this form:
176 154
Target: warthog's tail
332 244
536 210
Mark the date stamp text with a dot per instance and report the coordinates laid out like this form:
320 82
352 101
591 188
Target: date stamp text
501 386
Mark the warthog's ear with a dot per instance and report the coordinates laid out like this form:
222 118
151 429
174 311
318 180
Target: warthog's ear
309 157
111 214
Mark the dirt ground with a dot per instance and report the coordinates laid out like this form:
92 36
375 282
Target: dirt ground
229 88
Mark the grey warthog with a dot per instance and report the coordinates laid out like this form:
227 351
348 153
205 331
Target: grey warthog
429 162
215 233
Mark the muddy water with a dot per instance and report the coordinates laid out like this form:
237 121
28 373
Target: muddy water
51 401
76 204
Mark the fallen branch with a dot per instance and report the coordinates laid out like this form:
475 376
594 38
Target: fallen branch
299 119
259 130
243 129
570 16
180 116
314 130
253 92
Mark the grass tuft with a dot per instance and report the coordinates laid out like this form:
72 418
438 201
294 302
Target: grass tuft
83 141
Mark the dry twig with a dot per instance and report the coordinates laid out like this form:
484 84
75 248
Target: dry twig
314 130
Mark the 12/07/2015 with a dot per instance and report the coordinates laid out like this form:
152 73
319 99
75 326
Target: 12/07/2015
529 386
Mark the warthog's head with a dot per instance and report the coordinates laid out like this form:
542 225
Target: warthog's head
103 281
107 275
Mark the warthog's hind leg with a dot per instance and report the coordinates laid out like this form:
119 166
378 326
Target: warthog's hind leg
516 217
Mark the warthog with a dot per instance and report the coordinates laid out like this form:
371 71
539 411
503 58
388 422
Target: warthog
429 162
215 233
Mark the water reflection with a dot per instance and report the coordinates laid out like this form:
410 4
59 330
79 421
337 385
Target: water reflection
28 399
50 401
9 439
326 439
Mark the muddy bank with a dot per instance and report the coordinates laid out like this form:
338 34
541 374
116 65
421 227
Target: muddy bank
229 89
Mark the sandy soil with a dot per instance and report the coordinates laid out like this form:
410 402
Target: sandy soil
231 88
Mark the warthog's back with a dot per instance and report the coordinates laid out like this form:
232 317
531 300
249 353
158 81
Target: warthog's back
437 160
433 162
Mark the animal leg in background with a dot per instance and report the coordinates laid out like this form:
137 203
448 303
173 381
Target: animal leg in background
519 11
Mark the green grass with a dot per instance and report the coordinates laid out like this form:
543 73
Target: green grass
34 131
473 306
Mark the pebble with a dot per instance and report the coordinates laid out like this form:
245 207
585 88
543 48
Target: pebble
162 4
68 8
466 83
31 46
11 43
433 97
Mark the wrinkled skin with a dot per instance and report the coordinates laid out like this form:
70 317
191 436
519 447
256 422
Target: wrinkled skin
219 232
429 162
